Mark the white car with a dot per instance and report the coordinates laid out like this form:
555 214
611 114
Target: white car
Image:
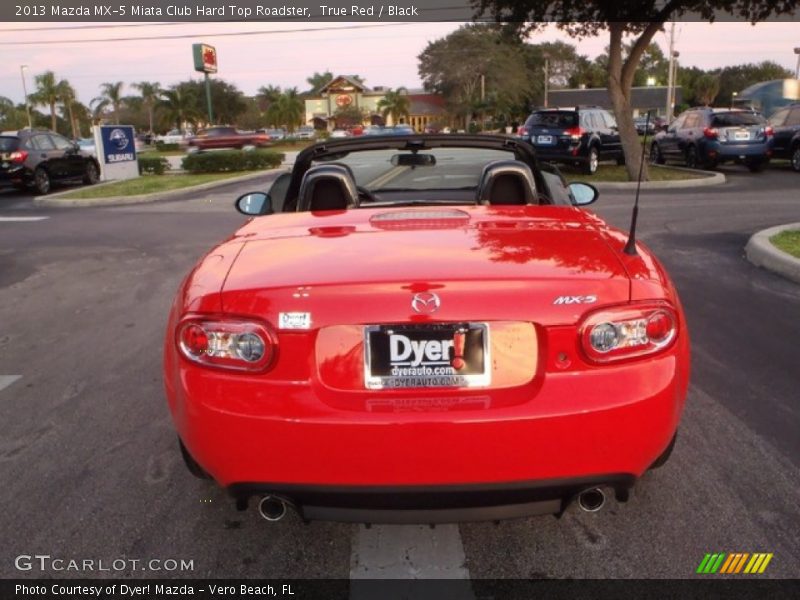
340 133
174 136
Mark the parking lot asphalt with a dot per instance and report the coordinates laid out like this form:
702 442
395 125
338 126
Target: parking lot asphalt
89 461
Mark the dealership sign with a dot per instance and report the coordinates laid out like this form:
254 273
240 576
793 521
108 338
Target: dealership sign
116 151
205 58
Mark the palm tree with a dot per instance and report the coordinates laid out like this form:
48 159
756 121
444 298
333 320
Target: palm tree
287 110
319 80
267 95
150 93
47 94
395 103
110 95
66 94
180 105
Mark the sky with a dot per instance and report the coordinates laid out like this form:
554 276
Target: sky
266 53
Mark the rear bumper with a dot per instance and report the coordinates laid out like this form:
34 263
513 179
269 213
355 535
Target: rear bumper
14 177
610 420
734 151
432 504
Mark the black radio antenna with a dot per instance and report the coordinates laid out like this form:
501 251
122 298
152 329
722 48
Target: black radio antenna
630 245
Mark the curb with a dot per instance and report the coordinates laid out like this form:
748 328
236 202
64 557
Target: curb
707 179
760 251
57 200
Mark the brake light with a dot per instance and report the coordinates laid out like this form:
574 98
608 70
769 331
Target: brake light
243 345
711 133
769 131
522 131
628 331
18 157
574 132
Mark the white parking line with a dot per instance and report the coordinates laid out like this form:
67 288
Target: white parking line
7 380
408 552
21 219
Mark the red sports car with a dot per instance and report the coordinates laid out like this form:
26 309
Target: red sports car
424 329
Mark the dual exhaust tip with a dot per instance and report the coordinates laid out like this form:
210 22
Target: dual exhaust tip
591 500
273 508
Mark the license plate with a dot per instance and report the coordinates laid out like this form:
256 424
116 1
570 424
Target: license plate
544 139
741 136
442 355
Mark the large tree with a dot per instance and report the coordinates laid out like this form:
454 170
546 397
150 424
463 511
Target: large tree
48 93
638 21
68 98
110 96
179 106
318 81
395 103
227 100
286 110
473 64
150 93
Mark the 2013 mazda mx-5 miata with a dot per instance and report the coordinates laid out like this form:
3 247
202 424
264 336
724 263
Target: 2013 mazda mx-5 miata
425 328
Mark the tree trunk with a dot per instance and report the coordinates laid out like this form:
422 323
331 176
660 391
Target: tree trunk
75 132
620 100
150 111
53 116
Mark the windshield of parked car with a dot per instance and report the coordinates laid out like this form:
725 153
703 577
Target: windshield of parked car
450 168
553 118
736 119
8 144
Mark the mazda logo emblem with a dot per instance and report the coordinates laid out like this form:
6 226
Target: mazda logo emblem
425 303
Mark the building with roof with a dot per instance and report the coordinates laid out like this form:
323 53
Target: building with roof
643 99
344 93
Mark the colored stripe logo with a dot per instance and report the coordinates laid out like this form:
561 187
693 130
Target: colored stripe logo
734 563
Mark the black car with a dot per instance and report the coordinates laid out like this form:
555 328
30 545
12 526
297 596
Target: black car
580 136
40 158
705 137
785 123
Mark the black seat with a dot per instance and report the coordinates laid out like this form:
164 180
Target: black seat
327 187
506 182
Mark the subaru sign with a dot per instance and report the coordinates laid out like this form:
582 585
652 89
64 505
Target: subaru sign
116 146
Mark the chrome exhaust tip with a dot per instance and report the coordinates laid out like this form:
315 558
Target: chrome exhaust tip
591 500
272 508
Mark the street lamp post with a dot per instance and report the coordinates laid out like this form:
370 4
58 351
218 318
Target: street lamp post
797 68
674 79
25 90
546 77
733 98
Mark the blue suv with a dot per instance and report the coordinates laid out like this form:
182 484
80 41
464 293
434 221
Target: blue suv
706 137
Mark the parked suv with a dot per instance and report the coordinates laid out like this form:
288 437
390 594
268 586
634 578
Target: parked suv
706 137
41 158
785 123
580 136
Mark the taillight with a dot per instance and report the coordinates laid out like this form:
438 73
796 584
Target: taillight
711 133
574 132
769 131
18 157
628 331
244 345
522 131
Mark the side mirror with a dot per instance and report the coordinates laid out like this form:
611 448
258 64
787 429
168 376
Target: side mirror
583 193
254 204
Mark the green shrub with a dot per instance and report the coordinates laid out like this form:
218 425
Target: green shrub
231 160
165 147
152 165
